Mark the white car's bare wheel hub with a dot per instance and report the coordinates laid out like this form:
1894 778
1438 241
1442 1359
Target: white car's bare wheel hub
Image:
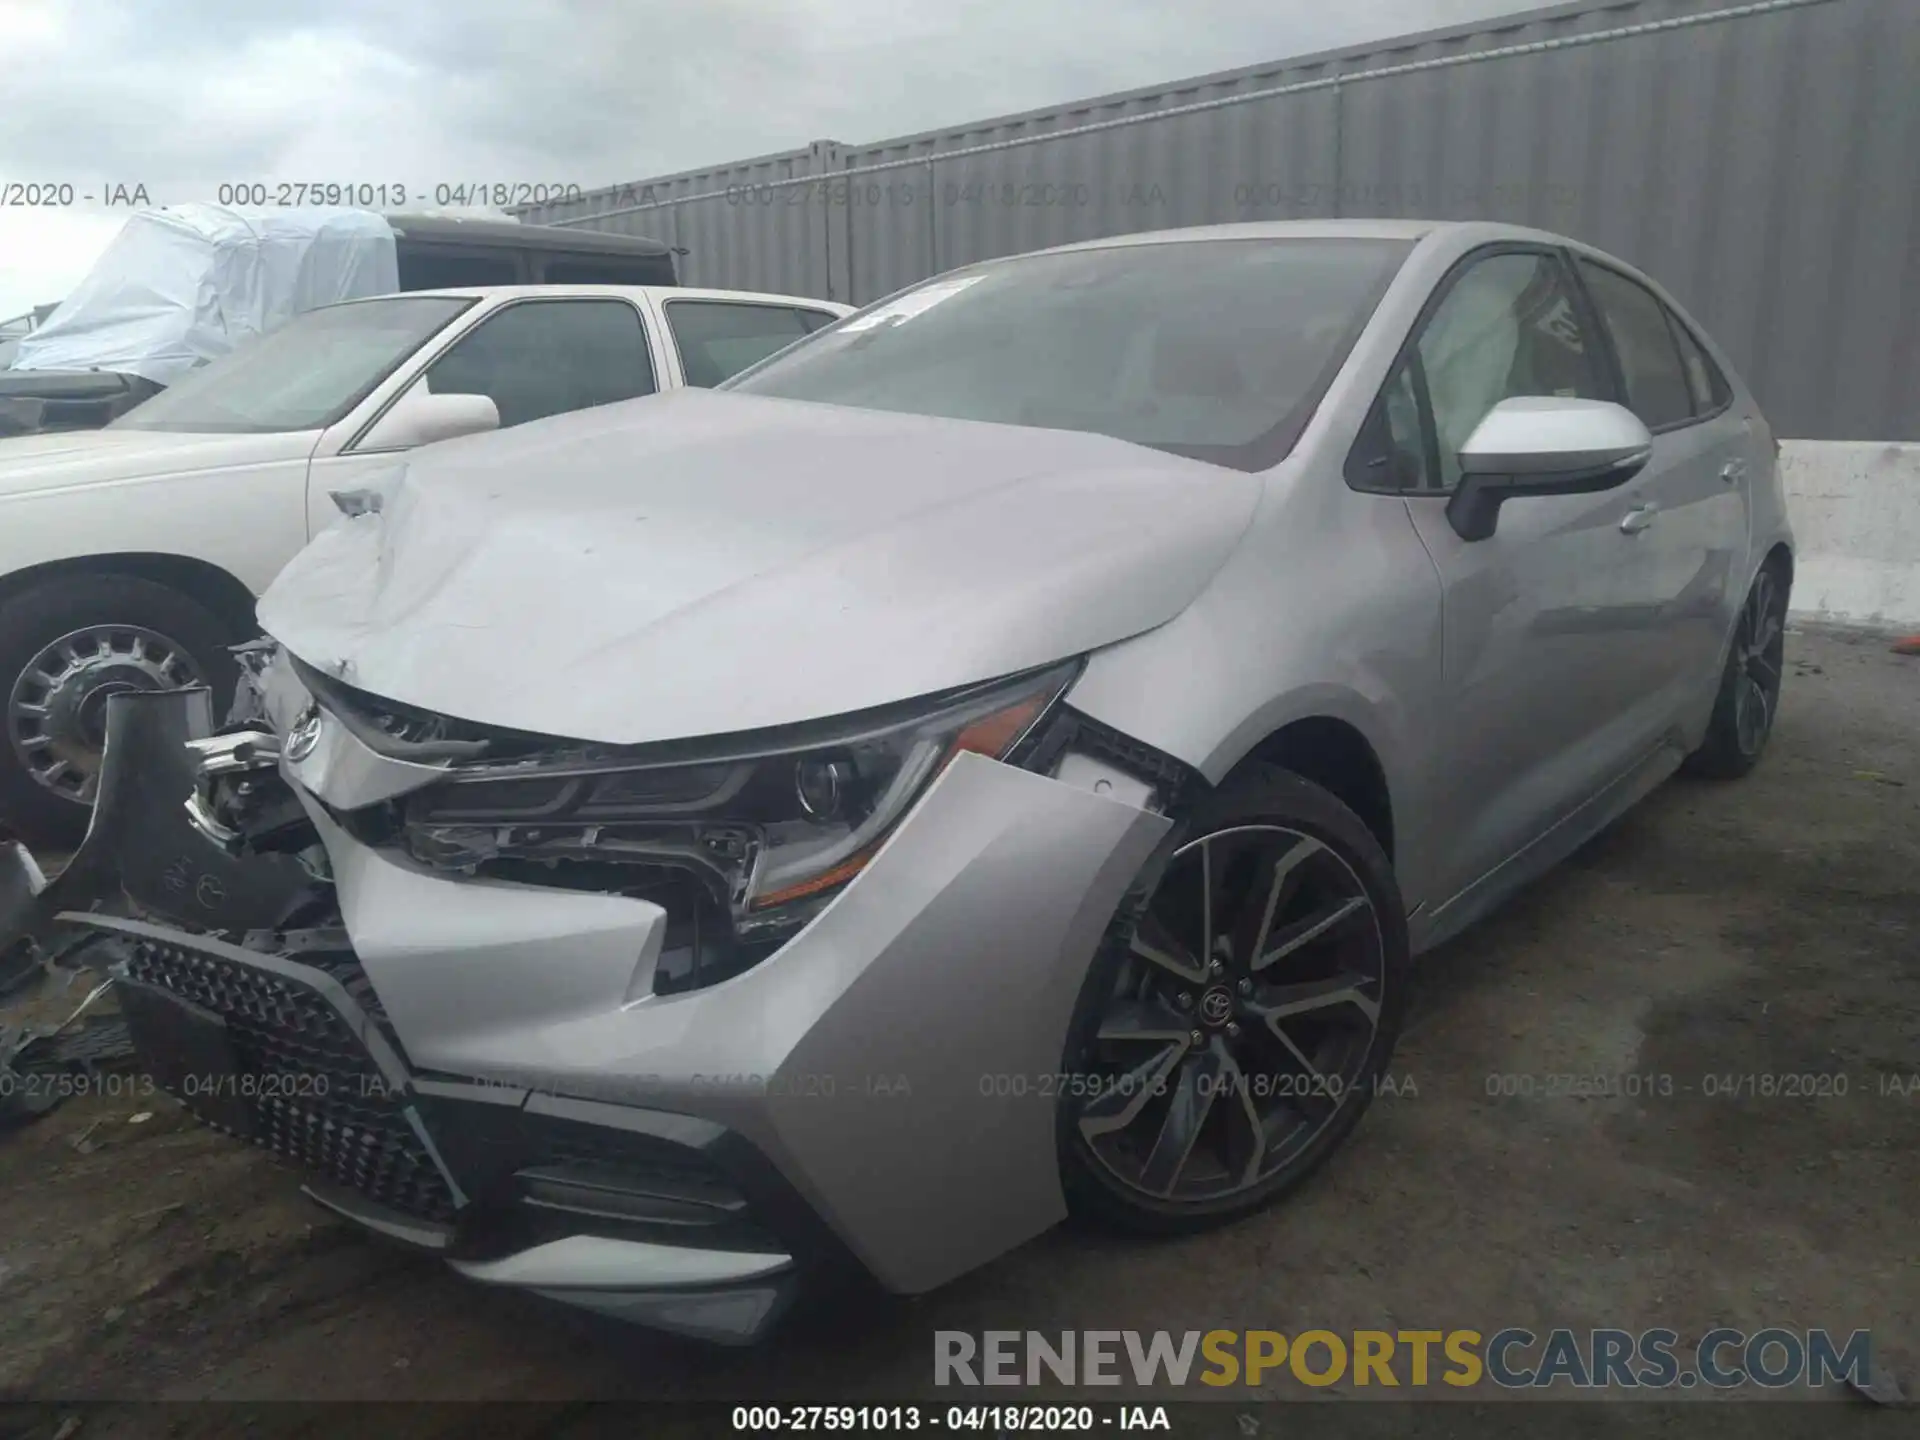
57 709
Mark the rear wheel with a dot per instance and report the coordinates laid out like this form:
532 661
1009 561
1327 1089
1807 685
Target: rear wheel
1229 1044
1749 698
66 646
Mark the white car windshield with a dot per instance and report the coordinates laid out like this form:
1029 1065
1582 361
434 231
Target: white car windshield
303 376
1217 349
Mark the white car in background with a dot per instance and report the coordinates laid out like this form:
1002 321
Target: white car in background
130 556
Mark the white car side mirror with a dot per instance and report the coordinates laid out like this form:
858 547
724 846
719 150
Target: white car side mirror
420 417
1544 445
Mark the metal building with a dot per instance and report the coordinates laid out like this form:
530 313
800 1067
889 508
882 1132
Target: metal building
1762 159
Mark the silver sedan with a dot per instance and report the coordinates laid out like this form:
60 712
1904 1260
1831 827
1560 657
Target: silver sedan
998 758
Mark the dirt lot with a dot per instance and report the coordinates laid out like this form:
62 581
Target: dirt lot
1766 928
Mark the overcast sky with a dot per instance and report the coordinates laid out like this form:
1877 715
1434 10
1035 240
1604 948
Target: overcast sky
183 96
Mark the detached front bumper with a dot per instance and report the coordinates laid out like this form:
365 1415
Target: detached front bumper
648 1216
141 856
478 1067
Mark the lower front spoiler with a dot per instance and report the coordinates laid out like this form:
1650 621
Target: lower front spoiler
726 1297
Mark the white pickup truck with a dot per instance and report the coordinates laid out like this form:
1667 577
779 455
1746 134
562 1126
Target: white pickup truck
130 556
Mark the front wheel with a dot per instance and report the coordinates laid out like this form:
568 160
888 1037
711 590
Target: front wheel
1226 1047
66 646
1748 701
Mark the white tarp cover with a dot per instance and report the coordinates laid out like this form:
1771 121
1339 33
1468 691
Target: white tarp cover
185 284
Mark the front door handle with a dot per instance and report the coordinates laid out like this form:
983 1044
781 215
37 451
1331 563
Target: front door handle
1733 470
1638 518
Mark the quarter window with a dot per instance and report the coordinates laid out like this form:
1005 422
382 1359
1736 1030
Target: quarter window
1391 453
546 357
1704 380
1658 387
1509 326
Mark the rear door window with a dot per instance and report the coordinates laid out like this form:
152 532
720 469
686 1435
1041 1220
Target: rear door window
1658 388
718 339
1704 378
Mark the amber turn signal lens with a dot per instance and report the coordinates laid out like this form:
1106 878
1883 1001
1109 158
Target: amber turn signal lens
994 735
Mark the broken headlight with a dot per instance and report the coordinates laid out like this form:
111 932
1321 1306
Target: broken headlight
768 825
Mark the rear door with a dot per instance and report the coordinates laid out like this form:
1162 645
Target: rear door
1696 544
715 339
1542 619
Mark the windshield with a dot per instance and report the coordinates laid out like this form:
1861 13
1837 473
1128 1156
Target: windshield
1215 349
304 375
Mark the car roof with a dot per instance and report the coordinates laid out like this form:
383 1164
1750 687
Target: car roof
1336 229
659 292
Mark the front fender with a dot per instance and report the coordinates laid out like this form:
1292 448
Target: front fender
247 520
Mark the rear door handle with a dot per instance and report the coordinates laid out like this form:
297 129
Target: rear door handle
1733 470
1638 518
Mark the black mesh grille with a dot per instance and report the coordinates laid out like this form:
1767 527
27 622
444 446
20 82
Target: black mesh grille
319 1101
650 1163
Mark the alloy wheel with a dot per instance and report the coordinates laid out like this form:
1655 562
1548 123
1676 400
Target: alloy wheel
57 708
1759 651
1241 1018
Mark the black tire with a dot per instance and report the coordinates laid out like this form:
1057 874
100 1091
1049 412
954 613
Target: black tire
37 617
1257 795
1755 667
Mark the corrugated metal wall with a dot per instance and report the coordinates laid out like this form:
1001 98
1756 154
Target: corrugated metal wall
1762 159
753 225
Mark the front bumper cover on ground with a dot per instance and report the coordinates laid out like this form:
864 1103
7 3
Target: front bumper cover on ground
649 1216
141 856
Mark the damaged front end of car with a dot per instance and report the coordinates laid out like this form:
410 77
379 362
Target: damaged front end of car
669 1032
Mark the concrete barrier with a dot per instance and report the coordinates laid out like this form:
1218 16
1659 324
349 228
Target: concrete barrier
1855 509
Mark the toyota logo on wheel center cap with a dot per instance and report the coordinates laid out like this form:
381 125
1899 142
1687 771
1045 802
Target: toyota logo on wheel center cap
1216 1006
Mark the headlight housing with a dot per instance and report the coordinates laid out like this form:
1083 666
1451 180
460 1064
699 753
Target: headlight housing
771 825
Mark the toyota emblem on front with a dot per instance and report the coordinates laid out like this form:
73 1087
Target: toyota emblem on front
304 736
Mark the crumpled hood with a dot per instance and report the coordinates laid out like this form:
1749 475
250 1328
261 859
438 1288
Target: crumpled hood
697 563
66 458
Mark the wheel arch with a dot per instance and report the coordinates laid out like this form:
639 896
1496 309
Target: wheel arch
1781 557
1334 753
222 593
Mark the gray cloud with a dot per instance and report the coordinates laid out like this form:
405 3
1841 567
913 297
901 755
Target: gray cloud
187 96
198 92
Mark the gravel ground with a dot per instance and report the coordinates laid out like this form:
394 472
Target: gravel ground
1768 927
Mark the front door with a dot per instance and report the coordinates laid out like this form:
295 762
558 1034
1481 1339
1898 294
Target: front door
1544 621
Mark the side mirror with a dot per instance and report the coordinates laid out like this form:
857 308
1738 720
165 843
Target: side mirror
420 417
1543 445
